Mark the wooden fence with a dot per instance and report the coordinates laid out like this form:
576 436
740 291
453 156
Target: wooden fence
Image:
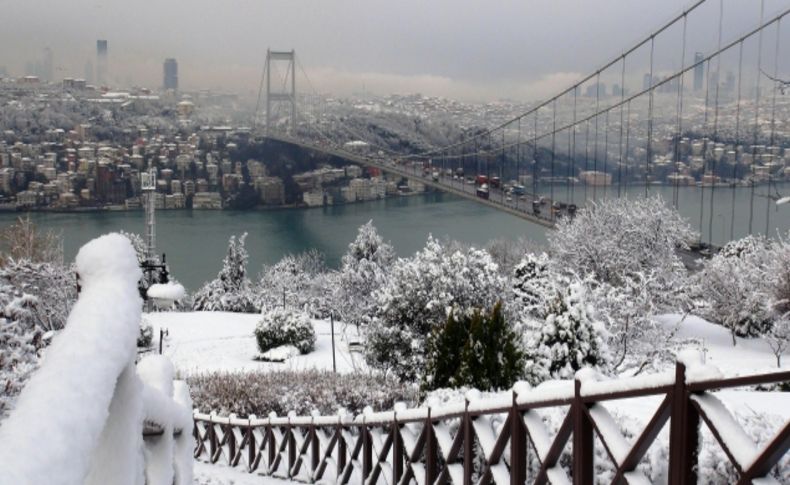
499 441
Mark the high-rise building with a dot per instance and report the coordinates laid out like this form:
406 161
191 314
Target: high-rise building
699 70
171 74
647 81
101 62
48 69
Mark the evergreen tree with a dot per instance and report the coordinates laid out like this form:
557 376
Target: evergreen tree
230 290
531 280
479 350
568 339
365 269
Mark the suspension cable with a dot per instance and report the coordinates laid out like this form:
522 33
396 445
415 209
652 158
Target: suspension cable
715 125
737 136
622 106
595 146
679 136
756 115
649 119
773 130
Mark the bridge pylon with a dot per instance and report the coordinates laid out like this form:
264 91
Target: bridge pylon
287 93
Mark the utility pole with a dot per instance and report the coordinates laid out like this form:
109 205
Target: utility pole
148 186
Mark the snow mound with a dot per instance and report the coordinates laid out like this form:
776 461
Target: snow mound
166 291
280 354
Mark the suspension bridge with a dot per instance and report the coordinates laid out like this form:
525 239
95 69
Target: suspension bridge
681 110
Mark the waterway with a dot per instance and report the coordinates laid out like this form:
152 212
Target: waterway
195 241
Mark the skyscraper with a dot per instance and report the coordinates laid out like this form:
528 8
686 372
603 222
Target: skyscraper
171 74
699 70
101 62
48 68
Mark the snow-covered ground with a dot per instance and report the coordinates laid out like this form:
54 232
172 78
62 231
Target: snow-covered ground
207 474
219 341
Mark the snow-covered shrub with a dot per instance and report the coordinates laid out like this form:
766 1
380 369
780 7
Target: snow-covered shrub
230 290
479 350
419 295
23 241
18 360
568 339
299 281
735 287
508 253
146 335
779 272
531 284
263 392
614 238
364 270
43 293
285 326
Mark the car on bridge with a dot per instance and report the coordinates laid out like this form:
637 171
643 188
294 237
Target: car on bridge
482 191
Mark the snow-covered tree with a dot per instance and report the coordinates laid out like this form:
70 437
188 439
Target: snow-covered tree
735 287
365 268
778 337
532 283
615 238
419 295
230 290
297 281
568 339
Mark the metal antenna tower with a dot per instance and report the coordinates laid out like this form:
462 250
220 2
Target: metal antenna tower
148 186
285 96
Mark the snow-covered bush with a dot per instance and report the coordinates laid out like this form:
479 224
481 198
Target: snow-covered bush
146 335
23 241
230 290
419 295
18 360
614 238
480 350
568 339
42 294
508 253
364 270
299 281
735 287
263 392
285 326
531 284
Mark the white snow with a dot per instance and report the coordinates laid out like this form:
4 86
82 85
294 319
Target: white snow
166 291
280 354
740 444
223 341
64 410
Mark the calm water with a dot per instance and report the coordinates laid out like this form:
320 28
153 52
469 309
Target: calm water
195 241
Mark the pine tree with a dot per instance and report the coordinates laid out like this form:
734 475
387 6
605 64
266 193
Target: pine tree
230 290
479 350
365 269
531 280
568 339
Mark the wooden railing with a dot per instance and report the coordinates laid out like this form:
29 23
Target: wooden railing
499 440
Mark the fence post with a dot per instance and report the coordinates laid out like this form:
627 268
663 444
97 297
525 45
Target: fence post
291 447
212 439
272 446
469 445
367 451
430 451
341 450
518 444
231 439
315 450
252 449
582 440
683 433
397 451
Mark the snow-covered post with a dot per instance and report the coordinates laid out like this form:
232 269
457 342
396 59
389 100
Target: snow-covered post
683 431
583 468
518 444
79 418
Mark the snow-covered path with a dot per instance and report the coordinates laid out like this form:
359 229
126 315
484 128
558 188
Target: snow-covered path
220 341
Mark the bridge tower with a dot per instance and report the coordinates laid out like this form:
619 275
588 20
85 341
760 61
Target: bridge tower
286 95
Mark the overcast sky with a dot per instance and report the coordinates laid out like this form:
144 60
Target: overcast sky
468 49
